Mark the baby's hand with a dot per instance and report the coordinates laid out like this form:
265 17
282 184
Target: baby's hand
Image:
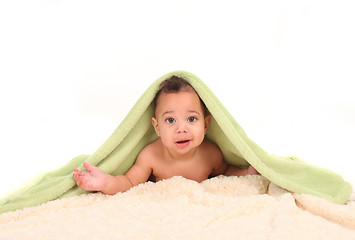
252 171
91 180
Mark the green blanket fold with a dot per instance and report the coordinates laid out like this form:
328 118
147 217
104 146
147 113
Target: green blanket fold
119 152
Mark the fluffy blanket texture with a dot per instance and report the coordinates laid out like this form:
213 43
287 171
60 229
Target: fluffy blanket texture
247 207
119 152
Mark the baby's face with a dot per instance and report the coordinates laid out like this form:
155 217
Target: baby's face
179 121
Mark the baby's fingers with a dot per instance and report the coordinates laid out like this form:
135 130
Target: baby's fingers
82 180
78 176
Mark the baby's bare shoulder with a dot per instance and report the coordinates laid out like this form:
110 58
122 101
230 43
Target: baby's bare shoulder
211 150
149 153
209 146
214 158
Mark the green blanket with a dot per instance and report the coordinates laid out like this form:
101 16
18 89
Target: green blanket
119 152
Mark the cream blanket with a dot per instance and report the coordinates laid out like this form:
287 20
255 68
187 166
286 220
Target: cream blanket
248 207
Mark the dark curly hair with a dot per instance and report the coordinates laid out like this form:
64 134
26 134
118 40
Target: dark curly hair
175 84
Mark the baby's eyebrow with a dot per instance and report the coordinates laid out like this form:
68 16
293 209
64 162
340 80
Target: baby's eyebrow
192 111
189 111
167 112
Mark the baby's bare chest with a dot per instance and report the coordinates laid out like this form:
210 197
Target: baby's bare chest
193 170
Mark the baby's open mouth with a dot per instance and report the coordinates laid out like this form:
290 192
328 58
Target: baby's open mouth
183 143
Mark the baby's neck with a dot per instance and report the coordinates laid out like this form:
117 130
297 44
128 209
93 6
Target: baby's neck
173 156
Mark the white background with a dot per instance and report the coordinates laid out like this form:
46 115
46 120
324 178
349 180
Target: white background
71 70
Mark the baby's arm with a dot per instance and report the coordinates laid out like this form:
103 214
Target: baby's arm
138 173
95 180
234 171
219 166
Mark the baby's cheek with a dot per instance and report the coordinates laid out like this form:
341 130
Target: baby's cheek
165 139
201 136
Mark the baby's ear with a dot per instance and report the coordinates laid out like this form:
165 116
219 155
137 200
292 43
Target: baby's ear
207 122
155 125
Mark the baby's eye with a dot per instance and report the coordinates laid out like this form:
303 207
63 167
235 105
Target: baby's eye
191 119
170 120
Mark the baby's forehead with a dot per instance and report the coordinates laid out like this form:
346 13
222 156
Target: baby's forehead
183 90
183 100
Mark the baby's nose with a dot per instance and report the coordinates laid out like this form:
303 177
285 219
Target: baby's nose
181 128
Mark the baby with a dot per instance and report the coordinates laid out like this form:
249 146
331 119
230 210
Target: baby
181 122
